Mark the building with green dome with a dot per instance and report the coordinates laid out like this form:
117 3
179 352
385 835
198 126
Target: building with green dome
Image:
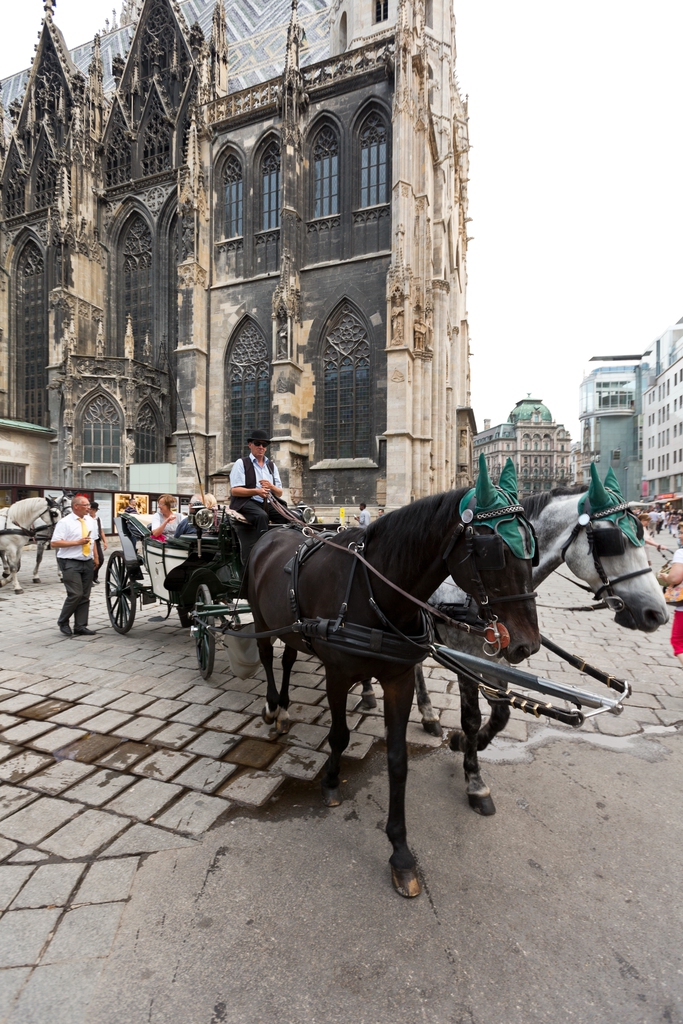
539 447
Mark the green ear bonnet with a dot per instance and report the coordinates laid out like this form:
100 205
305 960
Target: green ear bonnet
492 506
601 497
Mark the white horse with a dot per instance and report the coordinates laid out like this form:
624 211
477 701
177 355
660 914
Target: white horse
19 525
64 505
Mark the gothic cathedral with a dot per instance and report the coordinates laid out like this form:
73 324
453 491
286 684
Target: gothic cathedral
212 222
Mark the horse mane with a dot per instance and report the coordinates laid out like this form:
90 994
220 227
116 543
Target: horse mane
536 503
19 508
408 525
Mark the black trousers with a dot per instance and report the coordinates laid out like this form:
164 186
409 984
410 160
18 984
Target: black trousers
77 577
258 514
100 556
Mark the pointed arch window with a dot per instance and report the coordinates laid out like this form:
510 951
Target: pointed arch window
101 432
137 282
45 182
118 168
270 187
326 166
146 433
15 192
156 146
374 161
232 184
248 386
346 372
381 10
32 337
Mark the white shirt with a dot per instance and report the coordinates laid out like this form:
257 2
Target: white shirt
70 528
364 518
237 478
170 528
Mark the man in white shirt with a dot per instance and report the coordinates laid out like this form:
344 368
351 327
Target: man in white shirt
74 540
253 479
364 517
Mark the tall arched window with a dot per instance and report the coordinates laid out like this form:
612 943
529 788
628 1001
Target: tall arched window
32 354
156 147
248 386
15 191
374 161
346 369
118 168
101 432
232 183
270 187
146 432
45 182
326 164
137 282
343 34
381 10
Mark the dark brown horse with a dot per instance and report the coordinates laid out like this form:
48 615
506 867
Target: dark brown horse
415 547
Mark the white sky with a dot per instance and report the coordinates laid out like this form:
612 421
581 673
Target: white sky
575 184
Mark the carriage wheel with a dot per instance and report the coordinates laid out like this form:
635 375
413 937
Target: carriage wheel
204 639
119 592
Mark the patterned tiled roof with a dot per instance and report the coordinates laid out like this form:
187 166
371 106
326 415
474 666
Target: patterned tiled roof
255 53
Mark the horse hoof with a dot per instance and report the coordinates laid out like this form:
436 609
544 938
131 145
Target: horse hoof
36 580
483 805
368 702
19 591
406 882
332 797
456 741
433 728
283 724
268 716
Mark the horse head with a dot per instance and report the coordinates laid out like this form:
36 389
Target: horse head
493 560
610 545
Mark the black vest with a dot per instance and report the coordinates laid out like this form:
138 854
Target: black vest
249 481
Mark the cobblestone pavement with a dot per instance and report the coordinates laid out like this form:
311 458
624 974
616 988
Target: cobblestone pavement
112 749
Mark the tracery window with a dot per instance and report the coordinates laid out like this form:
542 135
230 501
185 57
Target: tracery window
232 183
137 282
270 187
346 373
156 148
248 386
101 432
326 166
32 354
15 192
146 432
45 183
374 163
118 167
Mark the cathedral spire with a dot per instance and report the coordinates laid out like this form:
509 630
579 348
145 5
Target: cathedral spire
219 51
95 90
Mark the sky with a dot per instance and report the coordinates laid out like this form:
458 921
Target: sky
576 190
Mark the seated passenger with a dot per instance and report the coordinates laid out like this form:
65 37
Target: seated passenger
165 520
187 527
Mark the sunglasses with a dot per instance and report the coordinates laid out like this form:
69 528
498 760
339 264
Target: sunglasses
260 444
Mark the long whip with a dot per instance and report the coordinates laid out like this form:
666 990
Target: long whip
189 436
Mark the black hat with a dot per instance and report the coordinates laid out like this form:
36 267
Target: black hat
258 435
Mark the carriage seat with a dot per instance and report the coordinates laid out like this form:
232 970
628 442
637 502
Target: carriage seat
144 520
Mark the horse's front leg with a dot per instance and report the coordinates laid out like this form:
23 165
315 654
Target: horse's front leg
467 741
430 717
368 699
338 738
39 558
398 699
265 649
288 659
12 565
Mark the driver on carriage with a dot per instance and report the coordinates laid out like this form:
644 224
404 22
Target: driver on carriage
253 479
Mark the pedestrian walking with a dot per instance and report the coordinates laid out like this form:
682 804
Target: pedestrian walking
671 579
364 517
101 542
75 540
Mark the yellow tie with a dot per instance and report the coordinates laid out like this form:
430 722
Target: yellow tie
84 533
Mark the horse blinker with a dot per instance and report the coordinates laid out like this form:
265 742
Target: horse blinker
489 551
609 542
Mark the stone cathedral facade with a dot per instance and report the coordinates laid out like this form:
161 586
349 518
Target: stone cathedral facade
213 221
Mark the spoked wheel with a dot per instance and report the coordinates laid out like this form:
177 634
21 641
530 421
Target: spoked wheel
204 638
119 593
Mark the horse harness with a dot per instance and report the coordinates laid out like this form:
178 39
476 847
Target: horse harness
603 544
33 531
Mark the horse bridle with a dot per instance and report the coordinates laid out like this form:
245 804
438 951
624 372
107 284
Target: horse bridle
32 531
606 591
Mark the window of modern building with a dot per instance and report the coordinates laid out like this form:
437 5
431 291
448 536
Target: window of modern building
101 432
146 433
270 187
232 185
346 387
137 283
381 10
32 352
247 386
326 169
374 161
